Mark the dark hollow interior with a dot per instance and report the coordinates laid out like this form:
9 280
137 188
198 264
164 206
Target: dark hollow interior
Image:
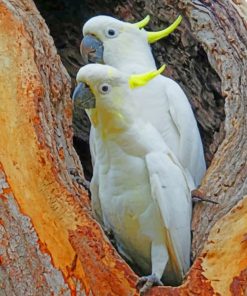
186 61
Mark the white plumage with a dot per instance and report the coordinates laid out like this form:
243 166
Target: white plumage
139 189
162 102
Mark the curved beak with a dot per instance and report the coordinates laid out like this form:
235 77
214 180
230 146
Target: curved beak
83 98
92 50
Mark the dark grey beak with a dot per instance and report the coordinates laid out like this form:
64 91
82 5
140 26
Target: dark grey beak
83 98
92 50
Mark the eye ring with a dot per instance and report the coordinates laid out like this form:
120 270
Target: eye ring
111 33
104 88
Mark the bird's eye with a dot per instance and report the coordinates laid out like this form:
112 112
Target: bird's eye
111 33
105 88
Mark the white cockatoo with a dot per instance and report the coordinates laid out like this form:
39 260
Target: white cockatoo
162 102
139 189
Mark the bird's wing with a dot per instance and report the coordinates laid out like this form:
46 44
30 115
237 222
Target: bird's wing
190 151
170 191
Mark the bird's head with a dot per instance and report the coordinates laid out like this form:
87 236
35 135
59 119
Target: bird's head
108 40
106 94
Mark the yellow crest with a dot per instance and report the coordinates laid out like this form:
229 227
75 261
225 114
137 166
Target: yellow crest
155 36
141 24
137 80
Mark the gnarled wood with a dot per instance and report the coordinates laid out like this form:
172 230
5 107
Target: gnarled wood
225 43
40 204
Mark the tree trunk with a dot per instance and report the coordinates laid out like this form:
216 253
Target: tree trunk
44 215
49 243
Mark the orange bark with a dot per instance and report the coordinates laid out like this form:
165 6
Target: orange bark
32 161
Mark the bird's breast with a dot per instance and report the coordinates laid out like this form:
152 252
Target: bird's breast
125 195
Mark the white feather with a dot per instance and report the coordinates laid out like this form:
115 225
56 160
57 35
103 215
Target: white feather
144 194
139 189
162 102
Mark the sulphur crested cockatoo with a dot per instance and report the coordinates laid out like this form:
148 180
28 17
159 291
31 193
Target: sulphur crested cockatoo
139 189
162 102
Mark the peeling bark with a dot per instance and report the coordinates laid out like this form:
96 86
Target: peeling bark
49 244
25 269
221 29
40 203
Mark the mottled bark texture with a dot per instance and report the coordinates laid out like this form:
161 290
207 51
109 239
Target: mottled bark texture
49 244
43 213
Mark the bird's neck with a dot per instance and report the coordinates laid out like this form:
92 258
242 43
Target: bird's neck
132 57
133 65
109 122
